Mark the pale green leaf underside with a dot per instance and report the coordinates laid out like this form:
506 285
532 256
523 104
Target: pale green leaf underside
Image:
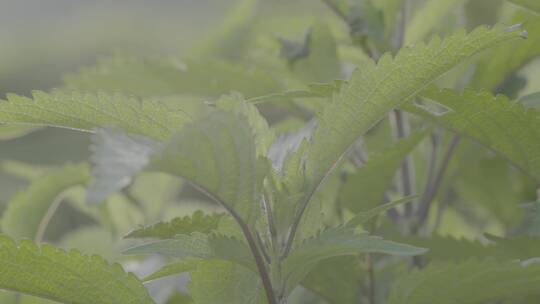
66 277
26 209
469 282
84 112
496 122
198 222
217 153
377 88
116 157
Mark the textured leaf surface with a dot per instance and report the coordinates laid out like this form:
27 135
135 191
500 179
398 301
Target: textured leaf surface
467 282
66 277
339 242
26 209
218 154
84 112
365 188
264 136
198 222
224 282
496 122
376 89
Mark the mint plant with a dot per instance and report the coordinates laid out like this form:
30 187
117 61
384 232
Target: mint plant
295 156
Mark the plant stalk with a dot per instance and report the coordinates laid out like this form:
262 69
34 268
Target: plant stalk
431 191
252 243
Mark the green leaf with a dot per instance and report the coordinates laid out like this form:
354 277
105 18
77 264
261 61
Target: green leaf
427 18
366 188
362 218
172 269
264 136
336 279
496 66
496 122
198 222
198 245
375 89
26 210
467 282
444 248
66 277
216 281
8 132
217 153
334 242
159 77
231 34
321 62
84 112
531 100
529 4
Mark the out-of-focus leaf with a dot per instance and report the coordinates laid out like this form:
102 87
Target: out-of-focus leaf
467 282
362 218
494 121
427 18
321 63
172 269
336 279
26 210
231 35
365 188
531 100
8 132
158 77
529 4
496 66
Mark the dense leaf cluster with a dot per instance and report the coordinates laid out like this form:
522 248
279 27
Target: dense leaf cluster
362 162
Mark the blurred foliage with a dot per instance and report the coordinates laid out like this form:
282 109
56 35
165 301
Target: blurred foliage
227 90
